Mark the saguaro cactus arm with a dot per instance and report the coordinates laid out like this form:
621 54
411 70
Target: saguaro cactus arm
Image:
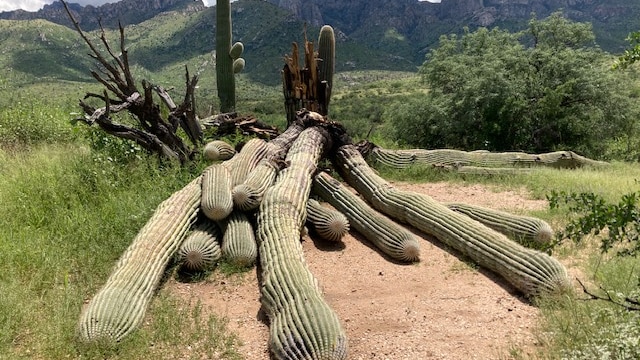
329 224
119 306
526 230
201 249
532 272
386 235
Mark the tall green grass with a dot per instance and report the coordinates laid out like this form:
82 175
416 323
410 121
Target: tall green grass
68 215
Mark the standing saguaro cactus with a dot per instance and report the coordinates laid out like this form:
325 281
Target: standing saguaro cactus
326 67
228 60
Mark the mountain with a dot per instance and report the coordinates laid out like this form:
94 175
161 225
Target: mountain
127 11
420 24
371 34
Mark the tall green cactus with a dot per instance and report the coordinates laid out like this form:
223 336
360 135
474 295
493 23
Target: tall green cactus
386 235
530 271
119 306
228 60
326 67
302 325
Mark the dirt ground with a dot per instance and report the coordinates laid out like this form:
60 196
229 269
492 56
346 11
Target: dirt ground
440 308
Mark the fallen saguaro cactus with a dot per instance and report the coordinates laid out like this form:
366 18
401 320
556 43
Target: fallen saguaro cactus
302 325
217 201
530 271
239 241
450 158
329 224
218 150
119 306
386 235
526 230
201 249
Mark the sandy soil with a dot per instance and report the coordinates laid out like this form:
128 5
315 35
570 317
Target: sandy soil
439 308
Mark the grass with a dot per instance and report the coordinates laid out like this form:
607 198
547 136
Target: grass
72 214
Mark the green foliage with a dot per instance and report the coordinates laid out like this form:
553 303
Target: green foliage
632 54
488 90
594 215
26 124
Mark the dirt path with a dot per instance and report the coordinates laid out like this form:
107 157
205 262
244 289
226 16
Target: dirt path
440 308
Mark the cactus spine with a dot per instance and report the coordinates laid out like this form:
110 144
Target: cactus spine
526 230
529 271
326 67
385 234
218 150
330 224
239 241
119 306
217 202
228 60
201 249
302 325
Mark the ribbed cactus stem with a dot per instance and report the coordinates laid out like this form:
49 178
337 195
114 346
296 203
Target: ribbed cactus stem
386 235
302 325
480 158
119 306
248 195
226 56
239 242
201 249
218 150
246 160
326 66
526 230
530 271
328 223
217 202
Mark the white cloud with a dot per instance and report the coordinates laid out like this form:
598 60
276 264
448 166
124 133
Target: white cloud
431 1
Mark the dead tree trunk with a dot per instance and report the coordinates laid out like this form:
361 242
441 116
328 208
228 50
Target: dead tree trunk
153 132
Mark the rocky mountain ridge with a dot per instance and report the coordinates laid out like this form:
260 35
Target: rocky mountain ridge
126 11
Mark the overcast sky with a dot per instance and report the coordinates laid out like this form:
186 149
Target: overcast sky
34 5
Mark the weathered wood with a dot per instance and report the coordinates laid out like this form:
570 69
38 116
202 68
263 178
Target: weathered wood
230 123
153 132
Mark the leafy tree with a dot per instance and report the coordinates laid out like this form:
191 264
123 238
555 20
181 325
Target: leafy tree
632 54
537 90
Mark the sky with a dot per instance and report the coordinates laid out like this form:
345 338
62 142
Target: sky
34 5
